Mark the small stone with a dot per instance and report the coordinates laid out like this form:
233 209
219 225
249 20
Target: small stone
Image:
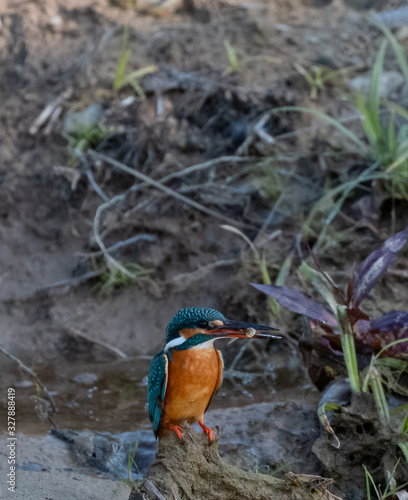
82 119
402 34
389 82
24 383
85 378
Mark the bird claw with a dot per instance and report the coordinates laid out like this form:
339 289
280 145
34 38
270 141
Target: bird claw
177 430
207 431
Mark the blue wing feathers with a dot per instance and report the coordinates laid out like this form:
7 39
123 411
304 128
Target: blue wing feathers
157 388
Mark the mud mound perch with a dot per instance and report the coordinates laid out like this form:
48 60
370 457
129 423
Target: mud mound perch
193 470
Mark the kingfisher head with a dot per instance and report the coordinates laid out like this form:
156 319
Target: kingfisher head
196 325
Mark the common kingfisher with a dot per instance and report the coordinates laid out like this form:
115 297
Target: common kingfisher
186 375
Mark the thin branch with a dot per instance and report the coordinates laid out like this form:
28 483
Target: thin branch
152 488
93 183
32 374
74 332
150 238
149 181
113 262
73 281
208 164
165 189
48 111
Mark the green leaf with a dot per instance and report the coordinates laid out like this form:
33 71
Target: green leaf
123 60
379 394
319 283
232 56
366 120
369 478
395 342
348 347
405 426
328 119
400 408
404 448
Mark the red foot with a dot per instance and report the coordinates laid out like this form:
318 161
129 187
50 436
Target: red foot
177 430
207 430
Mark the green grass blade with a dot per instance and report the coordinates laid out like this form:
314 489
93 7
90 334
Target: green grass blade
366 381
400 408
392 363
366 120
123 60
328 119
369 478
339 203
397 109
391 479
232 57
365 176
367 483
392 137
374 96
379 395
284 271
398 50
395 342
404 448
399 161
405 426
348 347
139 73
402 148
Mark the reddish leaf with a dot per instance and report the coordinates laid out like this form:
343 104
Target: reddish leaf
376 265
355 315
380 332
298 302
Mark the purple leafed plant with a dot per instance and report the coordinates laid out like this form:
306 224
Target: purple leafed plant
377 333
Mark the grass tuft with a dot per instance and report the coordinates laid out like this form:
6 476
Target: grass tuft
115 279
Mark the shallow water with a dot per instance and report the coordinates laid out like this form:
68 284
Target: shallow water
102 411
112 396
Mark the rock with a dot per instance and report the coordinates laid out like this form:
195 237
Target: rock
392 18
85 378
402 34
82 119
105 452
193 470
284 442
389 83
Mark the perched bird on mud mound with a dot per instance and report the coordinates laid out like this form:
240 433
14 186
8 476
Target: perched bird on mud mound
188 372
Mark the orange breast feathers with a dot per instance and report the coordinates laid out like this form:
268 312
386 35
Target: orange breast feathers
194 376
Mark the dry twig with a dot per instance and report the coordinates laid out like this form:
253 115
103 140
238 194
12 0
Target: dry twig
32 374
148 181
74 332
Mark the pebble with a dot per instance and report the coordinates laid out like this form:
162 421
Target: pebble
85 378
389 82
85 118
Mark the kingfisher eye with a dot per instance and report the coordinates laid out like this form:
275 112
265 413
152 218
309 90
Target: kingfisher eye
202 323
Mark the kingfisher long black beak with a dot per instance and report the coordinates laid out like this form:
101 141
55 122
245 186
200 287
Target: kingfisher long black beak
239 329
